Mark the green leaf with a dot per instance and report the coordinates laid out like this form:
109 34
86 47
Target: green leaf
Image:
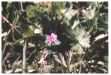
28 32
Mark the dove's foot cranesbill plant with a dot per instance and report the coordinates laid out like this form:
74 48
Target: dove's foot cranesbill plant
54 37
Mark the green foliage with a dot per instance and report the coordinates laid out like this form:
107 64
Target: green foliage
28 32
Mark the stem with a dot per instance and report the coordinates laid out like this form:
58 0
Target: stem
24 56
21 7
31 54
7 21
14 64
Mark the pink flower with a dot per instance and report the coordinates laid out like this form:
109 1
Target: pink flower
52 39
